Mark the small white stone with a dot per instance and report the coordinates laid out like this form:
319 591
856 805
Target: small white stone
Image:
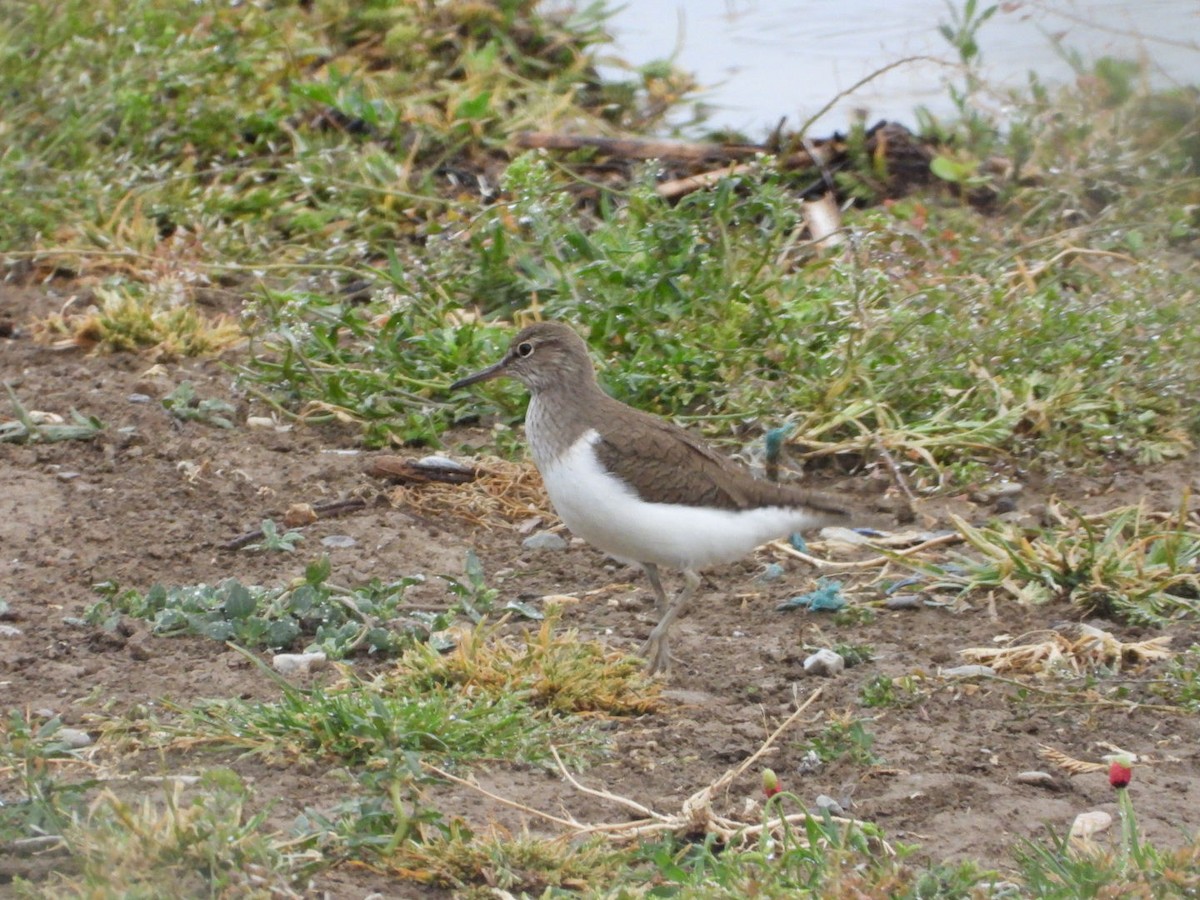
1039 779
544 540
260 422
298 663
825 663
1090 823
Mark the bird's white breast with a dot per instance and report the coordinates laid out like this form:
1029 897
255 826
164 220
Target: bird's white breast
608 514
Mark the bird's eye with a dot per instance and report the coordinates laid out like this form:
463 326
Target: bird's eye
524 349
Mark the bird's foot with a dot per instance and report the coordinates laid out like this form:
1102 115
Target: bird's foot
657 654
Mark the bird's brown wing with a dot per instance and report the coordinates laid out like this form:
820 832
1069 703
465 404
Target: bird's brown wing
665 464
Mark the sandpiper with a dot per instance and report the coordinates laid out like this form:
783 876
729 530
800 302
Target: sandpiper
637 487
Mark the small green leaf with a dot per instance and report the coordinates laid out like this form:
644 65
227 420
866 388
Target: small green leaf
239 603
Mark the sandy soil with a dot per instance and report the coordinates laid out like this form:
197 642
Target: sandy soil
151 500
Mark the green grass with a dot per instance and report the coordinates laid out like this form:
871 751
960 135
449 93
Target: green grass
220 136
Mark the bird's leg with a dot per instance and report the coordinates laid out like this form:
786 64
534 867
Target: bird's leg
660 661
660 596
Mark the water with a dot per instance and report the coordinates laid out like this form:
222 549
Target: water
764 59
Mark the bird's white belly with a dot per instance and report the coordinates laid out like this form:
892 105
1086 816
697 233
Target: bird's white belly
608 514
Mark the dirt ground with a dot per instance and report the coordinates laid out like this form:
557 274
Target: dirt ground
151 500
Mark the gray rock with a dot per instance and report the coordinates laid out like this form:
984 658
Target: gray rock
544 540
825 663
338 541
74 738
824 801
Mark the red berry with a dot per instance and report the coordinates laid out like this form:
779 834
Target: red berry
1119 774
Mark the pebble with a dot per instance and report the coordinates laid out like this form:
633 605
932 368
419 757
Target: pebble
298 663
825 663
544 540
338 541
260 422
1039 779
138 398
993 492
9 631
299 515
972 671
1090 823
824 801
902 601
74 738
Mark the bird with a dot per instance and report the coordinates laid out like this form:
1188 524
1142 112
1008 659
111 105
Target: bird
637 487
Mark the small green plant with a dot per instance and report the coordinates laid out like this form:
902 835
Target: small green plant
273 540
882 691
183 404
844 737
475 598
23 429
39 798
1180 682
336 620
854 654
390 812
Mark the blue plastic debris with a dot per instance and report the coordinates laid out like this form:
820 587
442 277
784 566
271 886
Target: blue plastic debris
771 572
827 597
797 541
774 440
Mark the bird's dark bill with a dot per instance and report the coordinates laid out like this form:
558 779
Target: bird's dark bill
484 375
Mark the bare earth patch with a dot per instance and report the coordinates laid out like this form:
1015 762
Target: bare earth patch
153 499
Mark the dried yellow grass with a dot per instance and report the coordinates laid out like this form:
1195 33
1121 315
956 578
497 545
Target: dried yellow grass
1057 654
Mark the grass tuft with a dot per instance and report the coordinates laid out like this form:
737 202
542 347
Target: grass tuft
180 844
552 670
162 322
1126 563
